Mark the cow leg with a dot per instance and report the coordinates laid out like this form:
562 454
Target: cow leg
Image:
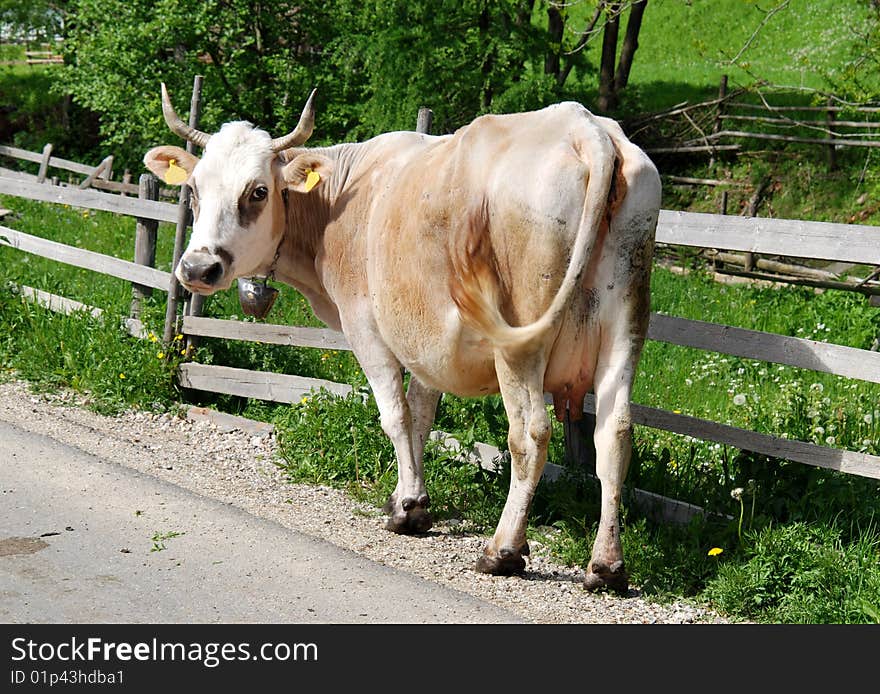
408 505
613 438
529 432
422 402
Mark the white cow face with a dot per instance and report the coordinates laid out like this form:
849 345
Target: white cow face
238 209
238 203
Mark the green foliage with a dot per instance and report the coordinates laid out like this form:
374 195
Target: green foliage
33 19
374 64
93 356
792 574
255 60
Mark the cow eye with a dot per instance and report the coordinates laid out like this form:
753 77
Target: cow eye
259 193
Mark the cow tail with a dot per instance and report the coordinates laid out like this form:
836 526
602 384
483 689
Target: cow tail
476 283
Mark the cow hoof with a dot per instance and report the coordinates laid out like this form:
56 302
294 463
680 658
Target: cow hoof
410 517
602 576
507 562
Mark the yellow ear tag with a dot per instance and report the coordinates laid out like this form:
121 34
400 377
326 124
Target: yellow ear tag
312 180
175 175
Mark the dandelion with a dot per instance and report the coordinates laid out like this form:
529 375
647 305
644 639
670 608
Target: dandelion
122 376
304 400
715 551
152 337
183 352
178 337
739 399
818 387
830 440
160 355
868 419
736 493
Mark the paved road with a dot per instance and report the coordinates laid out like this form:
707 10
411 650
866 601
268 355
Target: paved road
76 534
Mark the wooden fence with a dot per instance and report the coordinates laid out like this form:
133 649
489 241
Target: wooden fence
98 177
814 240
719 125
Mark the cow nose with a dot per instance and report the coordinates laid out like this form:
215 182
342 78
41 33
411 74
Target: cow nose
203 272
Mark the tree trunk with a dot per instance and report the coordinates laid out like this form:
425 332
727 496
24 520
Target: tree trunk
630 44
555 29
585 37
607 96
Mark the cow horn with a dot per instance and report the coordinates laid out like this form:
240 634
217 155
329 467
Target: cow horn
302 131
186 131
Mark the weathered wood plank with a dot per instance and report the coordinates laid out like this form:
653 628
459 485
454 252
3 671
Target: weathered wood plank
849 462
321 338
54 162
91 199
88 260
61 304
262 385
22 175
779 349
853 243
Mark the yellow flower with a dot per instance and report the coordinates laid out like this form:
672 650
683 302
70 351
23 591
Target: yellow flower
121 375
715 551
152 337
676 411
304 400
160 355
183 352
178 337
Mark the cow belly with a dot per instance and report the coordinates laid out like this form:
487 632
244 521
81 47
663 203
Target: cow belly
435 347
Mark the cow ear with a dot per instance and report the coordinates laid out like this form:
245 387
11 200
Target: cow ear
307 171
171 164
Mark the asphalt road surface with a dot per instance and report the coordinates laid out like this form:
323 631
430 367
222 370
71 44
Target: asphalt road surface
85 540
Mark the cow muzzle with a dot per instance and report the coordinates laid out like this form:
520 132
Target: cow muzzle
201 272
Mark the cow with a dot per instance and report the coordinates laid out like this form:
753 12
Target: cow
512 256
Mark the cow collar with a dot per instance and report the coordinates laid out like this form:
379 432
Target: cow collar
271 275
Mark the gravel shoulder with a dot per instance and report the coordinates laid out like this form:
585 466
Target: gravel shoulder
235 467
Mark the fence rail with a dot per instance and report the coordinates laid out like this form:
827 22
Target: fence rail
89 199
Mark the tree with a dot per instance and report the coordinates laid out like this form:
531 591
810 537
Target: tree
374 62
257 59
34 19
612 80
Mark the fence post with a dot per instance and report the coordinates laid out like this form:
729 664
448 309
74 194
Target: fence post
144 241
719 114
830 151
183 214
754 203
44 164
424 121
